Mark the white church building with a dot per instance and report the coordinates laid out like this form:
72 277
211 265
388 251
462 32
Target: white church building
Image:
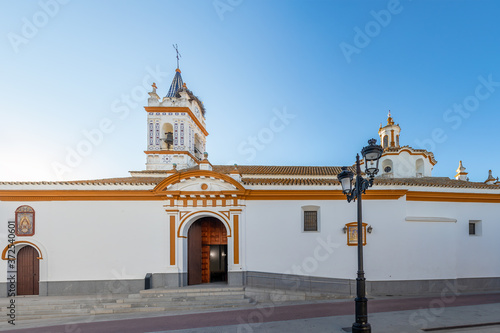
186 221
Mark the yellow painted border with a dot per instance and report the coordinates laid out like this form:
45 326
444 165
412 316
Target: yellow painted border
350 242
453 197
4 252
320 195
236 239
172 240
177 177
160 192
223 218
77 195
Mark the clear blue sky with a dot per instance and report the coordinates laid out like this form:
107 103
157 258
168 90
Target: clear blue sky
336 66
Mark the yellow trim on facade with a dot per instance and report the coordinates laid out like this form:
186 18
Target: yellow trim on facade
159 194
411 153
172 240
453 197
77 195
320 195
177 177
222 218
236 239
4 252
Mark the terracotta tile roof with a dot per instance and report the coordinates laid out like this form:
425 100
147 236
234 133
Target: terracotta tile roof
424 181
107 181
289 181
281 178
270 170
435 182
280 170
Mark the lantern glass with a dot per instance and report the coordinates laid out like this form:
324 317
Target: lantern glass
372 154
371 167
345 179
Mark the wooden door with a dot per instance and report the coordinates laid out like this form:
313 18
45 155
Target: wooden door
214 235
194 253
202 236
27 271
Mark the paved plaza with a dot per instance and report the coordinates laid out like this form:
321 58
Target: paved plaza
461 313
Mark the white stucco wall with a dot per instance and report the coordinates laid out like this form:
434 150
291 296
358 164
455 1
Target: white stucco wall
404 165
95 240
396 249
102 240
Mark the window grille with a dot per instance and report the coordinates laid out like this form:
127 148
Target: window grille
310 221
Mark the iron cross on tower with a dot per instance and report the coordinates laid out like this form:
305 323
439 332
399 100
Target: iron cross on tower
178 54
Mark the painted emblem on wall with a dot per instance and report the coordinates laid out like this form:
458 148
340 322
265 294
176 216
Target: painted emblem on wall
352 233
25 221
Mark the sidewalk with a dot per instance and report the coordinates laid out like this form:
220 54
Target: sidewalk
386 315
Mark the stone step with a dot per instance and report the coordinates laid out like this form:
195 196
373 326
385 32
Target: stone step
55 300
116 305
179 298
194 304
169 308
125 310
48 312
189 290
54 306
161 303
32 308
24 317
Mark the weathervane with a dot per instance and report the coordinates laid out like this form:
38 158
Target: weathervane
178 54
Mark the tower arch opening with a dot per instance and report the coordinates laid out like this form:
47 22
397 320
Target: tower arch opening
419 167
386 141
167 141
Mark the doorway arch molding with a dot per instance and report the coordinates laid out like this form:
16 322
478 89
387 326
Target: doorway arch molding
189 219
22 242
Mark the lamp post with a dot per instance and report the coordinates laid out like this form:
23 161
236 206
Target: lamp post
371 155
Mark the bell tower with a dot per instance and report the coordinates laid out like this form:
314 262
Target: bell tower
175 127
389 134
402 161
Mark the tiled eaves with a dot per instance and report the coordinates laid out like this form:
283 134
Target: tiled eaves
281 179
264 170
152 181
289 181
280 170
422 182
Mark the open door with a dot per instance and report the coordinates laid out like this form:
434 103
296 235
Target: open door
207 251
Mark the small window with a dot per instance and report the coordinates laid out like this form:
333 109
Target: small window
310 218
386 141
472 228
475 228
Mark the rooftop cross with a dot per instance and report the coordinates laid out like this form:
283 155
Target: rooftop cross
178 54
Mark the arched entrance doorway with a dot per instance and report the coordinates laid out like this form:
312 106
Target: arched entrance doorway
207 251
28 271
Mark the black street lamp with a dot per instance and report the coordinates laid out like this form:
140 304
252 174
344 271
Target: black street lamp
371 155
